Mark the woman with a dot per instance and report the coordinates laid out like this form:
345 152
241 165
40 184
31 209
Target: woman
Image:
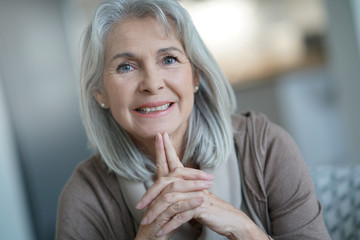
171 161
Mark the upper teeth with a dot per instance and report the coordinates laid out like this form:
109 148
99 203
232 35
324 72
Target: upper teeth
155 109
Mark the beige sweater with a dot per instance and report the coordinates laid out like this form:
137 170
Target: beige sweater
277 181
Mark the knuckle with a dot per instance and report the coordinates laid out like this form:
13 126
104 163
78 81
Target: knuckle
178 217
167 197
161 220
176 207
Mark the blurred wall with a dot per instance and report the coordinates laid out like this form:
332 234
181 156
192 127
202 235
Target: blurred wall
303 102
319 106
344 42
39 85
14 212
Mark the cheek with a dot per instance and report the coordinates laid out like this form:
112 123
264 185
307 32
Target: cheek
119 91
187 81
119 101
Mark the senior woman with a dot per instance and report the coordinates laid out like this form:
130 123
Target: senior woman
172 161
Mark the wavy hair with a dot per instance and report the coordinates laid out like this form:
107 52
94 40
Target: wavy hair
209 138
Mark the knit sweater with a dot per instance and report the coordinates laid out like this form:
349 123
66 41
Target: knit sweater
279 186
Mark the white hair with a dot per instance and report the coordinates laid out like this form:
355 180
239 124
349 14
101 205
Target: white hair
209 138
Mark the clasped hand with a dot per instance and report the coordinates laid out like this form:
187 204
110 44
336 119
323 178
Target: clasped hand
180 194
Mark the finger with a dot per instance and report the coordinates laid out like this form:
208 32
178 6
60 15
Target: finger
162 182
160 204
174 209
190 174
182 212
161 163
168 185
182 206
185 186
171 156
154 191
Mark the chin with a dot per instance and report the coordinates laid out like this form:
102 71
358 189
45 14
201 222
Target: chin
150 133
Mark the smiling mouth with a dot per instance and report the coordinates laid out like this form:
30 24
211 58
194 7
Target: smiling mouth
154 109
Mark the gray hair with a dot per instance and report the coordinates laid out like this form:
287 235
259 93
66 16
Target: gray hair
209 138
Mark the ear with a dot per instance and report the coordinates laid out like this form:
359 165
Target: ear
100 98
196 79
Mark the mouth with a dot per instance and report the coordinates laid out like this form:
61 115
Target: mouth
153 109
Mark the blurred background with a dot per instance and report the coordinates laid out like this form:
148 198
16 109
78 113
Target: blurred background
296 61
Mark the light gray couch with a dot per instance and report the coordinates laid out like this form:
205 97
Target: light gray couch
338 189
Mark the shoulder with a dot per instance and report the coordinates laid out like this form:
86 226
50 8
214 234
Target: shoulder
256 122
88 179
82 178
91 204
255 132
277 178
259 142
265 147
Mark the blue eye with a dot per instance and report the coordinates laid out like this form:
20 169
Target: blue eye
124 68
170 60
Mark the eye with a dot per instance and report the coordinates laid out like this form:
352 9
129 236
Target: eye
170 60
124 68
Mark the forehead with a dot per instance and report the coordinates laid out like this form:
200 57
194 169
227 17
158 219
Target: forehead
137 32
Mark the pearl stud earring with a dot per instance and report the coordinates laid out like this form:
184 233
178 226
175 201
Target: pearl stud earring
196 88
102 105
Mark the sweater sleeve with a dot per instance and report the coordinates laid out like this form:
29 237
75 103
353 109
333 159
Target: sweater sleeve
89 208
294 210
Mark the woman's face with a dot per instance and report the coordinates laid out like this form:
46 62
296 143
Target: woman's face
148 80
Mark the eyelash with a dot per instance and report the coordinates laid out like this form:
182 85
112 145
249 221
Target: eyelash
170 56
118 69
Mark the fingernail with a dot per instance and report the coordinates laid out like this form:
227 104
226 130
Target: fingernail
207 183
157 137
139 205
200 199
144 221
208 176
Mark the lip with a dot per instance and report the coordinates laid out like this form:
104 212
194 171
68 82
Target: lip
152 105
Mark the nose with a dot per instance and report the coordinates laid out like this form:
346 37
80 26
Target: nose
152 80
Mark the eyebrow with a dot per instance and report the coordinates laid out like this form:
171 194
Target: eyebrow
132 55
169 49
123 55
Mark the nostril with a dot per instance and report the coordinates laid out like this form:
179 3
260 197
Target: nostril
151 86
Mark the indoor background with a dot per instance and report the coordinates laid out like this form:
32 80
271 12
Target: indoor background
296 61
